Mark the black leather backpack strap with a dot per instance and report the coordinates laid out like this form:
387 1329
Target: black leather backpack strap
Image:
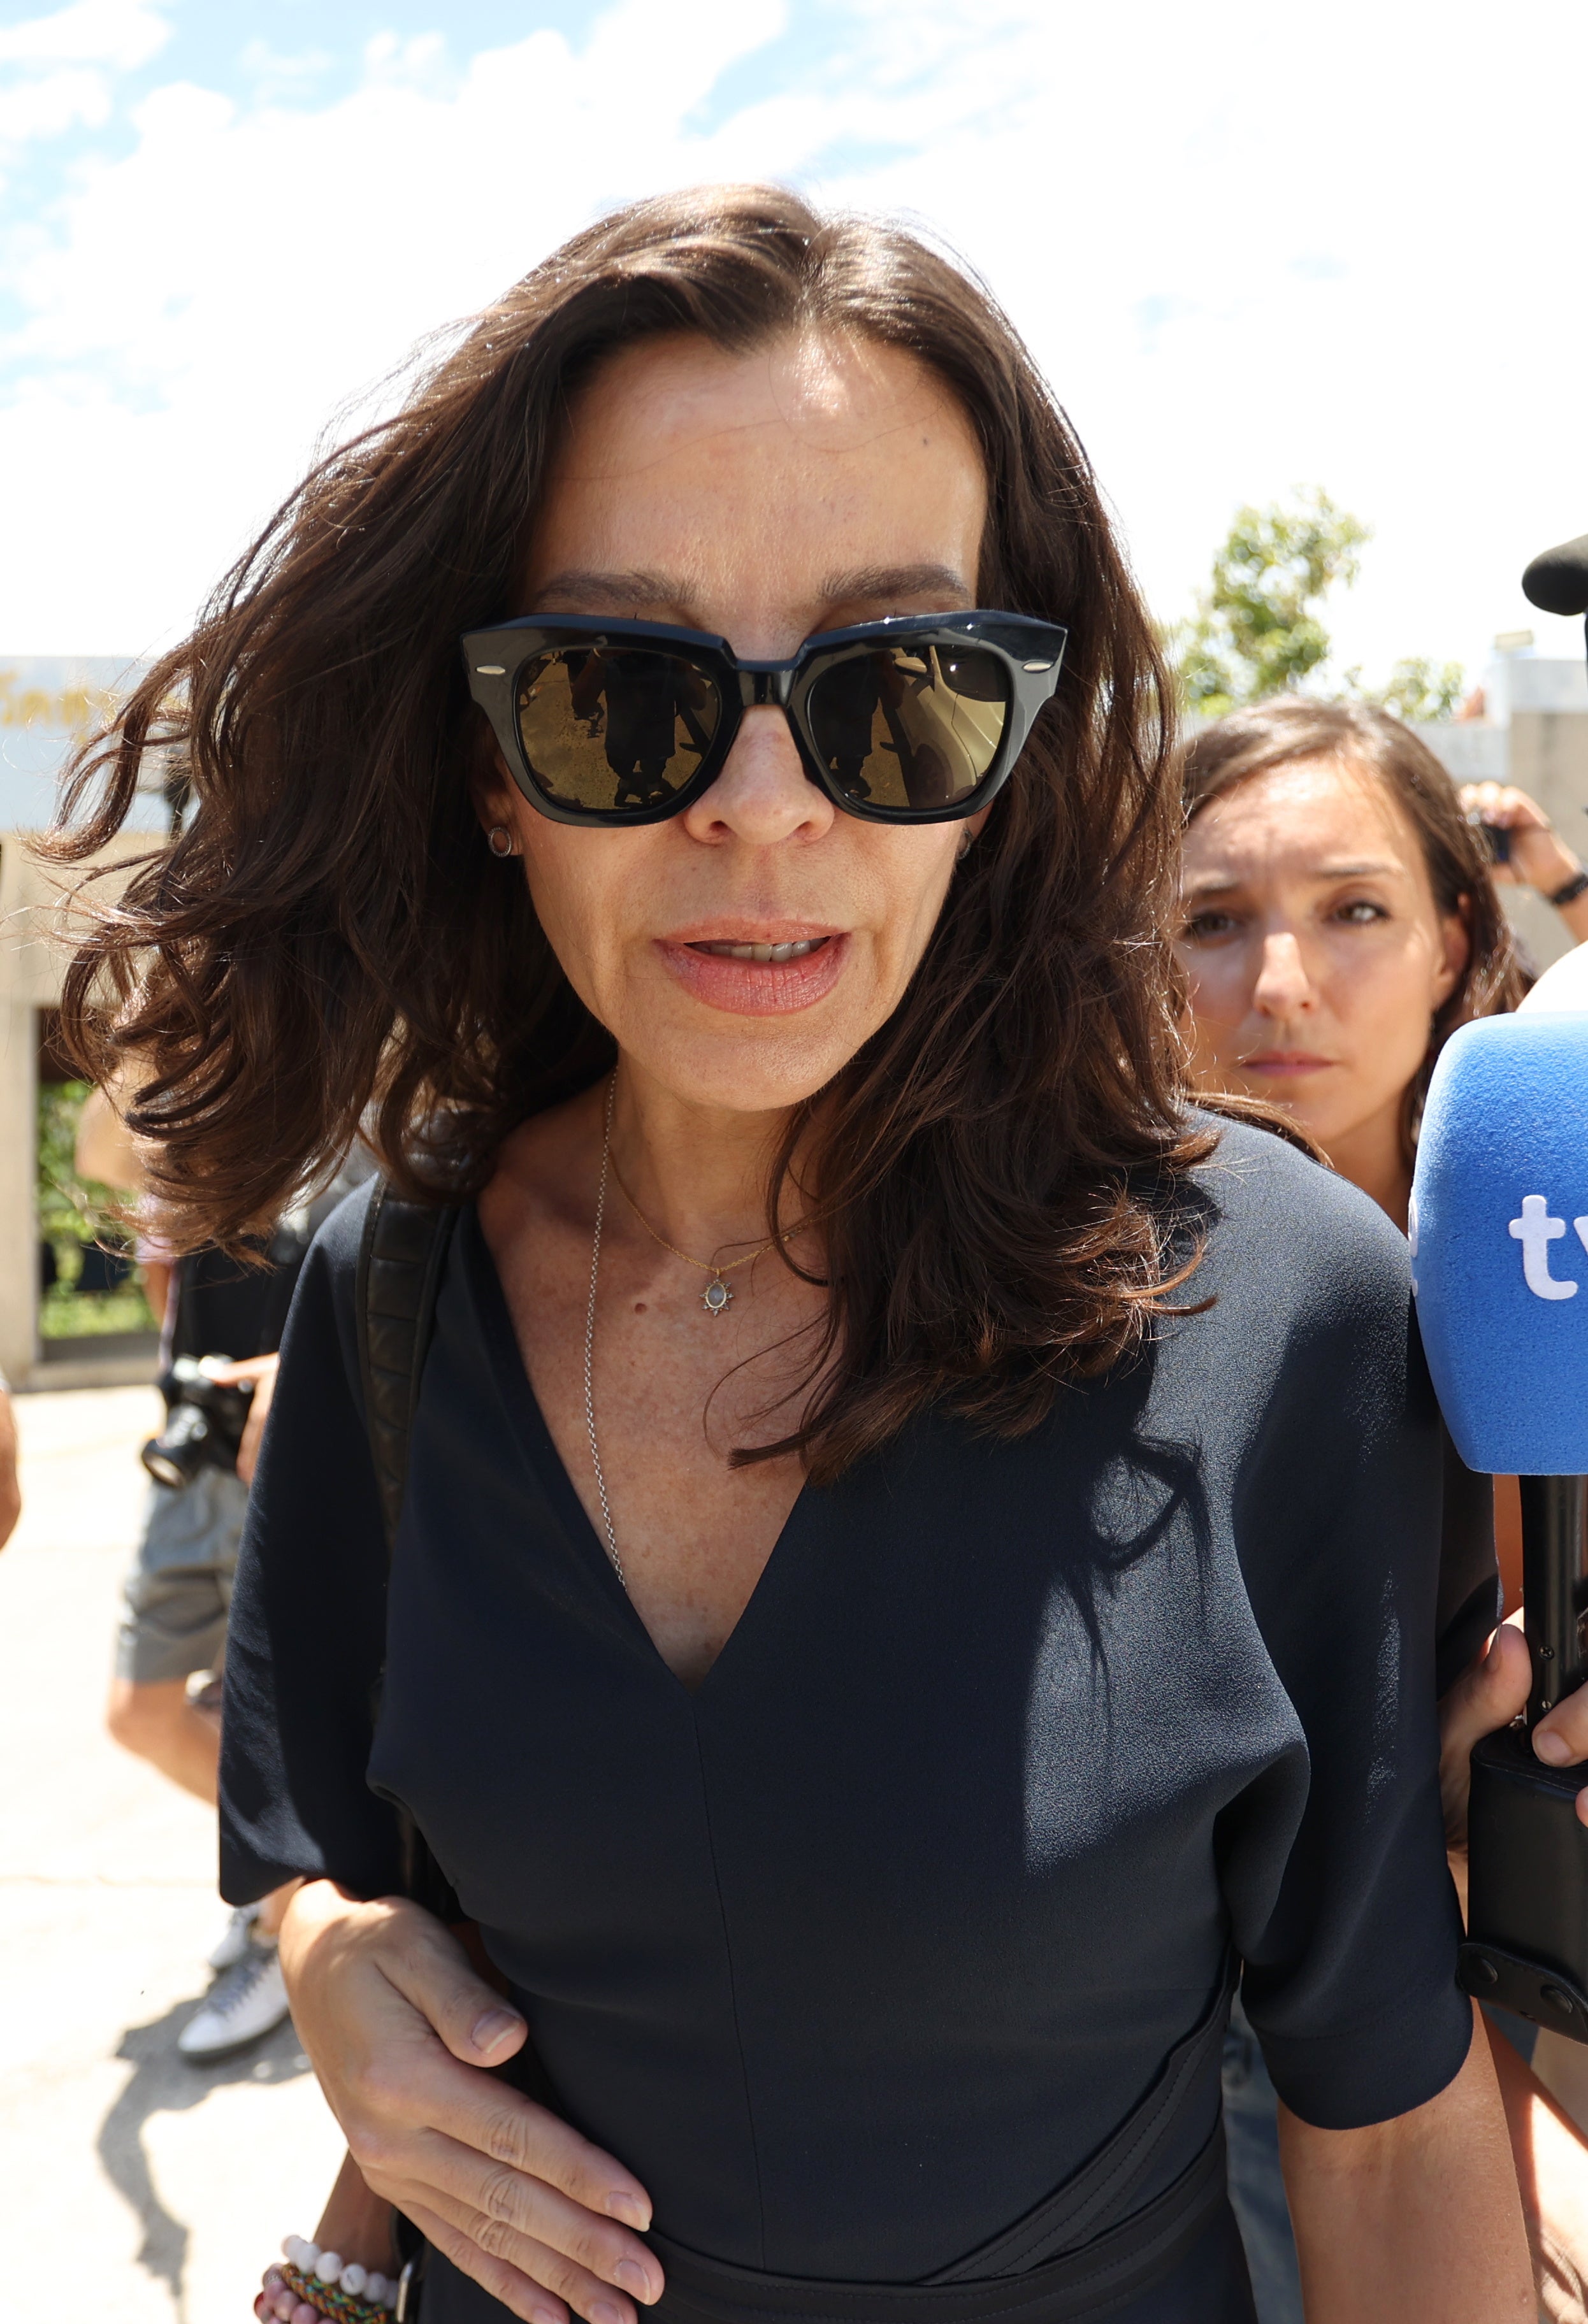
400 1256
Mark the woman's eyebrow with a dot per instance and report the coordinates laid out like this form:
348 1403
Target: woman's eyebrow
1218 884
577 591
867 583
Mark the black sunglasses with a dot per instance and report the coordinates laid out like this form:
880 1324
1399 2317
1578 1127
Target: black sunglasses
913 719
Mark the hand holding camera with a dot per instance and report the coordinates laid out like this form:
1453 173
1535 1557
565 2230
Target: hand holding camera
1526 849
215 1413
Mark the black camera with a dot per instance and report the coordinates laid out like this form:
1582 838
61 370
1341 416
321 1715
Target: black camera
204 1422
1495 837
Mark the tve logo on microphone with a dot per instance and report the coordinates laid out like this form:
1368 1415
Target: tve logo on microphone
1500 1239
1535 1230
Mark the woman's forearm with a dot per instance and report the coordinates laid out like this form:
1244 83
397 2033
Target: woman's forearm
357 2223
1418 2216
1552 2174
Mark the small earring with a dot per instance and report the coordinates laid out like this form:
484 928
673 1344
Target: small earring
964 849
499 840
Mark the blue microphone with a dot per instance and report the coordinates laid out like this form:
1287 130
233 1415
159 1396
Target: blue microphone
1499 1231
1499 1242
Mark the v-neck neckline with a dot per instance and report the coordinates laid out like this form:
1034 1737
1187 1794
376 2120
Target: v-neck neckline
531 1434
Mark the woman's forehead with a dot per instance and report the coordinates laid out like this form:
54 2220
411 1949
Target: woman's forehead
1309 817
748 481
826 393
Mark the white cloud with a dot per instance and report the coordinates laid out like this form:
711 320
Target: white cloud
1249 252
124 33
50 104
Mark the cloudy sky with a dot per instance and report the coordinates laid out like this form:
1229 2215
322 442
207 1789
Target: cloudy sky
1253 248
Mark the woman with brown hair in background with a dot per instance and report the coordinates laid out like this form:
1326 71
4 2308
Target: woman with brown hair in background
848 1641
1338 922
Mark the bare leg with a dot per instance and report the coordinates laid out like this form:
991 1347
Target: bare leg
157 1723
180 1736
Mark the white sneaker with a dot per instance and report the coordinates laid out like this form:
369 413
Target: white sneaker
247 2002
234 1942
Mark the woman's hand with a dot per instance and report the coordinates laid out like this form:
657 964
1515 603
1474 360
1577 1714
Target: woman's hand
1487 1697
402 2032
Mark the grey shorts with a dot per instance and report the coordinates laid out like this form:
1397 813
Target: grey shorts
179 1591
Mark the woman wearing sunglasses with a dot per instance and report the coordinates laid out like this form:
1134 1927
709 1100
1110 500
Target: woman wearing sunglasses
913 1552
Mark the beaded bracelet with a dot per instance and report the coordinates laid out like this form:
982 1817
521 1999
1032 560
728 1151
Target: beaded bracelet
310 2284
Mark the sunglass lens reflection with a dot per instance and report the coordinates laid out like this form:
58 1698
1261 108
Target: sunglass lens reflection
610 729
910 727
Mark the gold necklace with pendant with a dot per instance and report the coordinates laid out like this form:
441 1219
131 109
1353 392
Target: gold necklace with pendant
717 1296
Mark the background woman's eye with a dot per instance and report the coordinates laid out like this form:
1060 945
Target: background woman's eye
1360 912
1203 926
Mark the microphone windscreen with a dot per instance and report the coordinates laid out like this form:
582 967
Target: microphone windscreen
1558 581
1499 1242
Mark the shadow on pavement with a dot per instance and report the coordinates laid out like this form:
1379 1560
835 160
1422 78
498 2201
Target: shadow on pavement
163 2083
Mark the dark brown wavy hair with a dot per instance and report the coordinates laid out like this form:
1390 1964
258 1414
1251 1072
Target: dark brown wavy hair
1288 728
1000 1168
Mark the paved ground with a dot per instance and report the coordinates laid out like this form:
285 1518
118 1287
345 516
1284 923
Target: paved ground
157 2190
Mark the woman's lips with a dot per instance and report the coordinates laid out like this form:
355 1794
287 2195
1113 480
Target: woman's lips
1279 1063
757 976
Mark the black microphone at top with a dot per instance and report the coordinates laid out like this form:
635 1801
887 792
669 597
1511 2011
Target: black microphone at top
1558 581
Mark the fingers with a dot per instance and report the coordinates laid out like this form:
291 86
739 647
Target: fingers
523 2206
1562 1738
1487 1696
518 2292
1492 1695
363 1965
262 1371
545 2280
528 2140
1503 804
428 1968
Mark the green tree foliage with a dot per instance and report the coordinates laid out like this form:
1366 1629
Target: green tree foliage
1258 631
1421 692
73 1213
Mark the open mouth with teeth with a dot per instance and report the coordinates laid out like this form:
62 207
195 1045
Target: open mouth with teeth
763 951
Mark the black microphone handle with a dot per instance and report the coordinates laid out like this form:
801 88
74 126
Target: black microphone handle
1554 1585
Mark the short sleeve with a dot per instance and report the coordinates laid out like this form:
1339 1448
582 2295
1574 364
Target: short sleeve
307 1635
1349 1936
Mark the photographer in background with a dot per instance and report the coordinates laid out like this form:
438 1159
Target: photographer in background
165 1695
222 1324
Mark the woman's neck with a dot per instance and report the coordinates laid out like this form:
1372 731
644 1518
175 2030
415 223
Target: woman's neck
697 1173
1372 1156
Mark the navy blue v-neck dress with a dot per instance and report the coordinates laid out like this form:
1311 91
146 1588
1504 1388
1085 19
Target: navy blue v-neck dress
856 1952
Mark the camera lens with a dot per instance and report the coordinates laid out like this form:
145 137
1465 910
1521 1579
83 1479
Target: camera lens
176 1455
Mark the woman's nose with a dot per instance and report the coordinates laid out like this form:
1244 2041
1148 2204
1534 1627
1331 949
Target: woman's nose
762 795
1283 984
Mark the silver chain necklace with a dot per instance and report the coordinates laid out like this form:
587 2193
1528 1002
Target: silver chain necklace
617 1563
